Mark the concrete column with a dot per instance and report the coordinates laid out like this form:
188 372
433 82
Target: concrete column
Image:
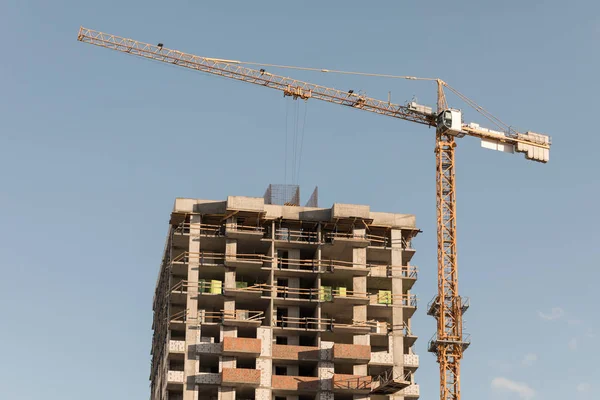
325 366
318 262
264 364
192 331
397 310
269 320
226 393
325 396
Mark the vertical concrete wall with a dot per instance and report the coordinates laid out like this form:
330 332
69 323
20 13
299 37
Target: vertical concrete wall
192 333
325 366
397 312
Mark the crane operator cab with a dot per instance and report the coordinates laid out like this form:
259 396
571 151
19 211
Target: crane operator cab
450 122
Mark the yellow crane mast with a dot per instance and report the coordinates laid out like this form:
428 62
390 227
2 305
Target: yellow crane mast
448 306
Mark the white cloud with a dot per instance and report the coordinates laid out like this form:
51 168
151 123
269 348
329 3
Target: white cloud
584 387
529 359
521 389
590 334
555 313
573 344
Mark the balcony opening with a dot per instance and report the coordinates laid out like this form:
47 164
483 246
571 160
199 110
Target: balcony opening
306 312
307 370
343 369
247 332
380 344
307 340
210 334
308 283
246 362
379 237
282 288
342 338
175 365
375 370
282 259
375 284
280 370
295 232
281 340
174 395
177 335
251 248
243 393
339 396
282 315
209 363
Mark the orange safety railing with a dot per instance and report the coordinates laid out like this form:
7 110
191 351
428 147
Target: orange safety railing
204 287
245 228
180 316
351 382
287 292
243 315
379 241
371 324
345 235
300 236
185 228
399 300
218 316
258 288
200 258
306 323
349 294
403 271
248 257
299 265
332 264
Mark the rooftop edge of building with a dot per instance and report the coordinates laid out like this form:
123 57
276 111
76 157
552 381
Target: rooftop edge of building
339 211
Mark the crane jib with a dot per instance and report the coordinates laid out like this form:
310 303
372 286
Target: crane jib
288 86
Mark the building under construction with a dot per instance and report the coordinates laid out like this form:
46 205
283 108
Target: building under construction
260 298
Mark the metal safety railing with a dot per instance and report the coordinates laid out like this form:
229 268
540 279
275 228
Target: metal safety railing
303 323
351 382
203 287
286 292
186 228
245 228
291 264
254 258
200 258
385 297
297 236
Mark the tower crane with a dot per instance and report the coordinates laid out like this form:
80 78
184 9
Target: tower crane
449 342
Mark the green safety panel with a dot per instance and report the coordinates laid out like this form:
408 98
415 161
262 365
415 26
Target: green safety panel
216 287
325 293
384 297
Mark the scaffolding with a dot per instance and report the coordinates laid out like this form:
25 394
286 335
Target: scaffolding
289 195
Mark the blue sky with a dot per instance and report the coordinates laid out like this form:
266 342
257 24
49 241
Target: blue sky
96 145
